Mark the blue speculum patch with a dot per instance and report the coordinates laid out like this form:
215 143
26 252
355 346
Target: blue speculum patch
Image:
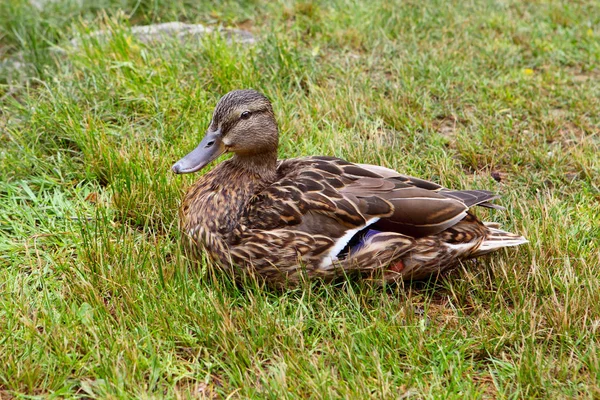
357 242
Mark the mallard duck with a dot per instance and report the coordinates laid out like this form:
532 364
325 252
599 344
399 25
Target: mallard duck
319 216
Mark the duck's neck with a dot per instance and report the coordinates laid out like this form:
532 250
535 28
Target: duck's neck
260 167
218 200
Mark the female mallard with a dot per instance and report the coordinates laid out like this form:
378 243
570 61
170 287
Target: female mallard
322 216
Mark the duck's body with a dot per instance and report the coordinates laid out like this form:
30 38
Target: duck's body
322 216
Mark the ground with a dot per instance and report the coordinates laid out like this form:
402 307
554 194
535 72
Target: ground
96 298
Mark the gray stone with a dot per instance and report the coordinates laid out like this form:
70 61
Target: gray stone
184 32
14 67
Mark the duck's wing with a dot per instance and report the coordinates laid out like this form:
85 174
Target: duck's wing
470 198
330 196
309 196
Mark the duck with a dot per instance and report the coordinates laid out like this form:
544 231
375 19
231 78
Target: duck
319 217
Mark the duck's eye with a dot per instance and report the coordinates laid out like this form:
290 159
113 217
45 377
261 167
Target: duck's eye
245 115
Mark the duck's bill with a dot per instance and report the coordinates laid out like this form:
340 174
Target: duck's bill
209 148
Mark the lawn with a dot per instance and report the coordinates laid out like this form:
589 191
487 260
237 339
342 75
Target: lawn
97 299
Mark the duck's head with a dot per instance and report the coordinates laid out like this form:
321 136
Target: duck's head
243 123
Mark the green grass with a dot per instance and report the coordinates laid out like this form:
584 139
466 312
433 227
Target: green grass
97 300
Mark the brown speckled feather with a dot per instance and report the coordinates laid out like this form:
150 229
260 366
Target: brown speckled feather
357 195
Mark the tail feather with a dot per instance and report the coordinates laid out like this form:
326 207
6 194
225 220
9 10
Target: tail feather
472 198
497 239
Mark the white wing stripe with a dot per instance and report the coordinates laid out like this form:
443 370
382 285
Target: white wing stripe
342 242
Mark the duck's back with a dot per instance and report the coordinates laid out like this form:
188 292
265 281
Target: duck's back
310 191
